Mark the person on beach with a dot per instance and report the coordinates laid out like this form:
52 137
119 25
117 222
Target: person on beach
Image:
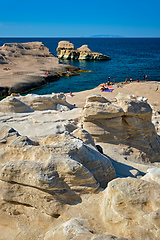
108 83
146 77
47 73
103 88
7 69
70 94
131 80
126 80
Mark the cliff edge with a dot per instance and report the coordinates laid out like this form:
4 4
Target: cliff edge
26 66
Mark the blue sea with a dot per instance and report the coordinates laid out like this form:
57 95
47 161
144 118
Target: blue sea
130 57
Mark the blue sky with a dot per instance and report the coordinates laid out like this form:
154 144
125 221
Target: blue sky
68 18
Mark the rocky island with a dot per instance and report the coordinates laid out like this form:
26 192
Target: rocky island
66 50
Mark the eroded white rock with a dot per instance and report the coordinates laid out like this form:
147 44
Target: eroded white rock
125 120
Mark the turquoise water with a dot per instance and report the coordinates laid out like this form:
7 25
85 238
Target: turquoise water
130 57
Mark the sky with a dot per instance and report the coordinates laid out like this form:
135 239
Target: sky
68 18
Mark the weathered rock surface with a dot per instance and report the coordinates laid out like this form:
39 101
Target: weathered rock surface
55 170
153 175
131 208
66 50
55 184
124 120
29 103
24 67
76 229
156 118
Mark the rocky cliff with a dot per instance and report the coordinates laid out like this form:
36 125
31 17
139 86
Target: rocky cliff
124 120
66 50
24 67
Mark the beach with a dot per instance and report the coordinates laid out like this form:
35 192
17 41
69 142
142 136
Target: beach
147 89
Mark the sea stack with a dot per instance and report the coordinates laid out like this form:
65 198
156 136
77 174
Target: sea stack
66 50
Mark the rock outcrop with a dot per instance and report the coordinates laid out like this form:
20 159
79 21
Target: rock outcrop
24 67
124 120
55 184
156 118
66 50
76 229
50 173
34 102
131 208
10 50
153 175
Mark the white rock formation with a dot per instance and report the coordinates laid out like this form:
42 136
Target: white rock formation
34 102
66 50
153 175
131 208
24 67
55 170
125 120
76 229
55 184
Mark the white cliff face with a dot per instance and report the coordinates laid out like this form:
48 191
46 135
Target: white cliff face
124 120
66 50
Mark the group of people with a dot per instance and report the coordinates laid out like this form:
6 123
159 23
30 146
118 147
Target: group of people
130 80
110 82
6 69
105 86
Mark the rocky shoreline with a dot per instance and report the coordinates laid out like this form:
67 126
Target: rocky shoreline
27 66
80 167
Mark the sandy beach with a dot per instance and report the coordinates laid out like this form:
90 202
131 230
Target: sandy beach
149 90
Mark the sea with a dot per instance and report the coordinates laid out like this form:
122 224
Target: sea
130 57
